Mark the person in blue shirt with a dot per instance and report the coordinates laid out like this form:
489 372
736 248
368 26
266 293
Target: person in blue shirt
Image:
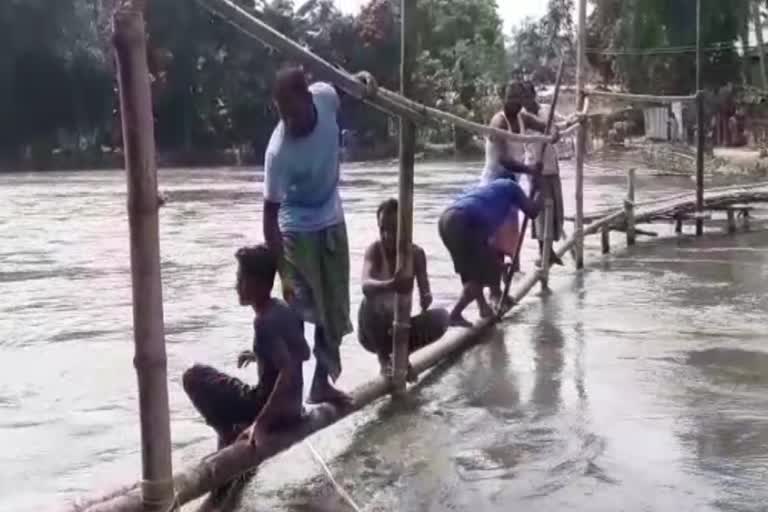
466 228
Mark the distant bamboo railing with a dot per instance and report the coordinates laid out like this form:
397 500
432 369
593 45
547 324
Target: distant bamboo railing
650 98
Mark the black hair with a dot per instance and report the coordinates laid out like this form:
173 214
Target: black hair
258 262
291 79
388 206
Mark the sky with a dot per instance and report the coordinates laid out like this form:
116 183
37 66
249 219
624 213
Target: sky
511 11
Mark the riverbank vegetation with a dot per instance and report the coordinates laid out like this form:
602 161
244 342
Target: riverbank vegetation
211 85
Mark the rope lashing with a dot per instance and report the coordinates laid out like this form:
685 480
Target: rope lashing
371 89
161 486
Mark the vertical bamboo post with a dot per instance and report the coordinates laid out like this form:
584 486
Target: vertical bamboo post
401 328
698 45
629 207
129 41
581 133
700 141
605 239
546 254
700 137
731 215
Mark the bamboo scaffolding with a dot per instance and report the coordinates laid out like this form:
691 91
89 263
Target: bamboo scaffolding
225 465
402 328
700 140
129 41
581 134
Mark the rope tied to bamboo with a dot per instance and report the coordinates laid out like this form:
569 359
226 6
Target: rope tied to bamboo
152 488
370 85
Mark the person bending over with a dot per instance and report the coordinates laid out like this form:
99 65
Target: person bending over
467 227
380 285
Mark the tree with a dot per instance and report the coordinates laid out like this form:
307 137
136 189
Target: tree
538 45
639 30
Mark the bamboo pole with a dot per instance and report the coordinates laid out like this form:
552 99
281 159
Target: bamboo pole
581 133
700 136
380 98
402 321
650 98
605 240
698 46
758 21
629 207
546 254
129 40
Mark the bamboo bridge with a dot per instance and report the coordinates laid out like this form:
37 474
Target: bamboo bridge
159 488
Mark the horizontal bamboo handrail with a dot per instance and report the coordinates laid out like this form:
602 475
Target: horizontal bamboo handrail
639 97
383 99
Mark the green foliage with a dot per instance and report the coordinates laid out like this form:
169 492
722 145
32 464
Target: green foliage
536 46
53 76
211 83
651 24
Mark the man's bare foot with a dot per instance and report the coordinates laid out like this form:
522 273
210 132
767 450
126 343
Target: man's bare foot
458 321
326 393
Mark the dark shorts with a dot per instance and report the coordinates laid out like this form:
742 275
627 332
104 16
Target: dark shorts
374 330
226 403
467 241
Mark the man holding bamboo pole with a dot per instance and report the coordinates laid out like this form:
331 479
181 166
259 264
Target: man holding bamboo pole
551 186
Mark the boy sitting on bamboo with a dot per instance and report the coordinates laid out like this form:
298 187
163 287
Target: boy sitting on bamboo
233 407
380 285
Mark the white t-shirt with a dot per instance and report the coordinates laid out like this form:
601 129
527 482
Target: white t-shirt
497 150
302 173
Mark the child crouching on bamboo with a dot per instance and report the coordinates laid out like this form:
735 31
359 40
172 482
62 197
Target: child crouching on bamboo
228 404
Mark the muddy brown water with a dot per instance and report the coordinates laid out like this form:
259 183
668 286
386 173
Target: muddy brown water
639 384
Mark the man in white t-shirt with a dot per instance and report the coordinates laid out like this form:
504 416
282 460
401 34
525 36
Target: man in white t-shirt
304 219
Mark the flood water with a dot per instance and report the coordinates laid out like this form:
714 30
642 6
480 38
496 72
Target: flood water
639 384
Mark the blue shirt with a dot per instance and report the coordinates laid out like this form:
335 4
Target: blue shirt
489 203
302 173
